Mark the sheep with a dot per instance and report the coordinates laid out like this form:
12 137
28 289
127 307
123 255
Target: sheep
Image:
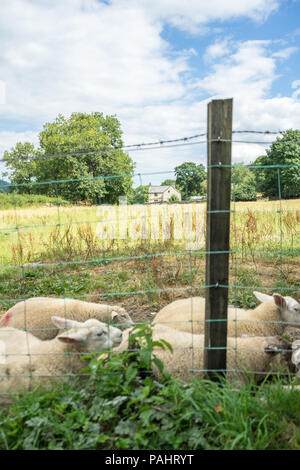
267 319
34 314
296 356
246 356
26 361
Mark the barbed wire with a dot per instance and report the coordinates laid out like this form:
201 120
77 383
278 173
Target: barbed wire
150 145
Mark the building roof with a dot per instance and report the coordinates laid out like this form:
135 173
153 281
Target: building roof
160 189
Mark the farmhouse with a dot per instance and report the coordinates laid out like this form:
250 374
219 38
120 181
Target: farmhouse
162 193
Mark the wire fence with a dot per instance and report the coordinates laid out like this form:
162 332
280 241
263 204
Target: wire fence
150 261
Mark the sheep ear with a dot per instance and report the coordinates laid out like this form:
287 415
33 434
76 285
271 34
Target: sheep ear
296 344
274 344
262 297
75 337
114 315
279 300
65 323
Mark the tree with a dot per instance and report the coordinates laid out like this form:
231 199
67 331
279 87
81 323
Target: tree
93 171
189 177
243 183
174 198
284 181
140 195
168 182
21 161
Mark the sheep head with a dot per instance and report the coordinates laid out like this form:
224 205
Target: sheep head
120 316
91 335
281 353
289 307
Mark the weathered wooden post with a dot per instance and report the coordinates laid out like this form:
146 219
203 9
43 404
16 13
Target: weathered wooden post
219 128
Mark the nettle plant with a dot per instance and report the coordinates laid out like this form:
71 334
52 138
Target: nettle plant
135 363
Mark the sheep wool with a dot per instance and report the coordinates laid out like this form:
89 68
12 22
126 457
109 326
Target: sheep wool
246 356
268 318
26 361
35 314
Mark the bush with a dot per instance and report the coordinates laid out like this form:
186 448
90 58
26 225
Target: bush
11 200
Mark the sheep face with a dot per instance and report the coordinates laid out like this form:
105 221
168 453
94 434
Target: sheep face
290 309
91 335
120 316
296 356
280 352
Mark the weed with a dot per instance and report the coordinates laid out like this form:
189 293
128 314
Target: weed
121 407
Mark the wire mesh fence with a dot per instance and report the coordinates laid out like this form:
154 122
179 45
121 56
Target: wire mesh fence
148 262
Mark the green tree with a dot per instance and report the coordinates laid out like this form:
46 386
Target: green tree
243 183
168 182
174 198
140 195
20 159
284 181
189 177
97 138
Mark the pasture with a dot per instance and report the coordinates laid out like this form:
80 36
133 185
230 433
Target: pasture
144 256
143 260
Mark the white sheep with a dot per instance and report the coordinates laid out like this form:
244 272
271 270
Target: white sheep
34 314
296 356
26 361
246 356
267 319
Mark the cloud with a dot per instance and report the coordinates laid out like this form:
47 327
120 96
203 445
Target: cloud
63 58
194 16
285 53
2 92
88 55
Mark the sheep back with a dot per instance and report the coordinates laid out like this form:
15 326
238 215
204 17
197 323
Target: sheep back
35 314
189 315
187 359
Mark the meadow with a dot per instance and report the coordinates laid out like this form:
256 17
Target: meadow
144 255
142 259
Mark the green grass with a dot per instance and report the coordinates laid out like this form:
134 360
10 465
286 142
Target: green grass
119 407
13 200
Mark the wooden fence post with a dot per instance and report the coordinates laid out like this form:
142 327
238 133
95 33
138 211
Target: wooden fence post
219 127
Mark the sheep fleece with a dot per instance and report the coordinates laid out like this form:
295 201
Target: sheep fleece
189 315
246 353
35 314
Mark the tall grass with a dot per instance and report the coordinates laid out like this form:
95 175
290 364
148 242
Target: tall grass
66 233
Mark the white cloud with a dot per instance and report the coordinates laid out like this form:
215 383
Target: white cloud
285 53
87 55
218 49
194 16
296 84
2 92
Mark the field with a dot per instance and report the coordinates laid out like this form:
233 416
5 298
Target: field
143 258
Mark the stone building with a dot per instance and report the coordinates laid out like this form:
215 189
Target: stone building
162 193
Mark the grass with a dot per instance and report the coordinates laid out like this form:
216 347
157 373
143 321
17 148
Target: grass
120 408
13 200
67 233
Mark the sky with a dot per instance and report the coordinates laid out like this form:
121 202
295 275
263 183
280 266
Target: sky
155 64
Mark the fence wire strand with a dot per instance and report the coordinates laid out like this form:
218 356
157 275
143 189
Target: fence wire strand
150 257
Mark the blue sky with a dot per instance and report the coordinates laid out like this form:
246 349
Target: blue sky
155 64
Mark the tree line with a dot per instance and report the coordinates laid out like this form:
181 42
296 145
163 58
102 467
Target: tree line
100 171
